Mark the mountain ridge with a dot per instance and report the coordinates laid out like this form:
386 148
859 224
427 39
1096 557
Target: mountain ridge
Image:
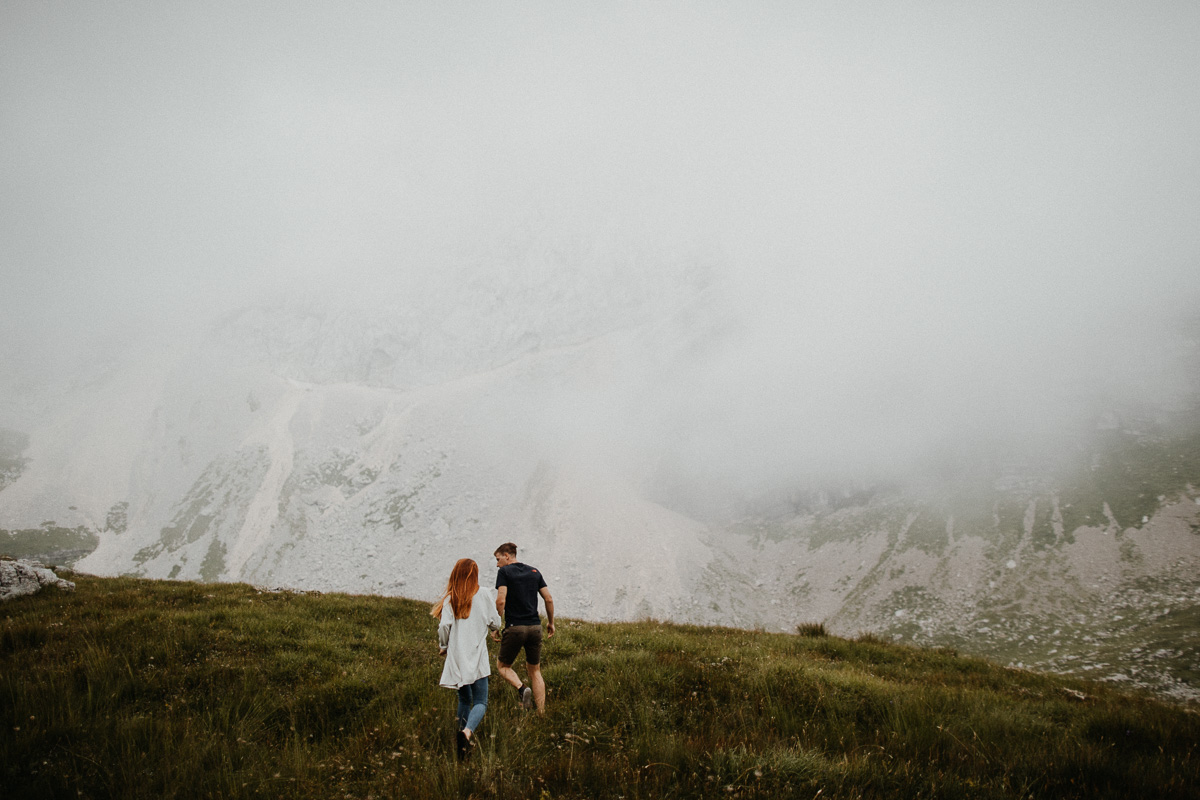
227 470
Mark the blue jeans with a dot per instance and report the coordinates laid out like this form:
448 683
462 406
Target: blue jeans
472 702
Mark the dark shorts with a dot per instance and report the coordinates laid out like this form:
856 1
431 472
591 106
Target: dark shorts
517 636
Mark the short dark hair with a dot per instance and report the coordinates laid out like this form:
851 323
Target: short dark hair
508 548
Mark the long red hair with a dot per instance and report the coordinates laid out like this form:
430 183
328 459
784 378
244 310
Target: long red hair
460 589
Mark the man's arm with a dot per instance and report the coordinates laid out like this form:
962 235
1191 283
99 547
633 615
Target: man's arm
545 593
501 596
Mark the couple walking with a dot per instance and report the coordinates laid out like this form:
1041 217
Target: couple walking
467 614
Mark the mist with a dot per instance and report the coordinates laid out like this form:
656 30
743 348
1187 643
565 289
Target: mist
895 227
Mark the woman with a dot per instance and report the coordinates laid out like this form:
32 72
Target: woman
466 616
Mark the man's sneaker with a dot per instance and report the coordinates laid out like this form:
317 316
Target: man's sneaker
526 697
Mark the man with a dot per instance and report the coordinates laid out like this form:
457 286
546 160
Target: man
517 588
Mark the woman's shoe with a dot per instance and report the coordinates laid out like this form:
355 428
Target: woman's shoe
462 745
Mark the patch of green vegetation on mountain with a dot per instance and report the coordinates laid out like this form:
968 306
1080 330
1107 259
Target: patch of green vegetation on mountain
49 544
913 605
117 519
1009 528
928 532
971 508
1134 474
850 524
1141 632
1082 505
213 565
392 508
1136 466
341 469
1161 642
395 507
1042 533
220 495
133 688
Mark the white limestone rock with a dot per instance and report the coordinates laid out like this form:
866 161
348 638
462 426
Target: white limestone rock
19 578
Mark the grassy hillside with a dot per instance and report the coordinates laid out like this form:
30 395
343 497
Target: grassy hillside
130 688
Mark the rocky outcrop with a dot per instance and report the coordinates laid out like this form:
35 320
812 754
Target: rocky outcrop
18 578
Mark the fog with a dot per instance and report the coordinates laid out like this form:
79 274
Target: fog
924 221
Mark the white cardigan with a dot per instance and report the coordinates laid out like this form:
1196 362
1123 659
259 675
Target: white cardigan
465 640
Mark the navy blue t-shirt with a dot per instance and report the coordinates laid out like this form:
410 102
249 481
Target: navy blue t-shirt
521 603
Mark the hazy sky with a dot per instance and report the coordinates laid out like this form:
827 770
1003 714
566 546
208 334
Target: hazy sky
932 189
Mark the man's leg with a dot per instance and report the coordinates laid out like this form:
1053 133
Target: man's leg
539 686
509 674
510 645
533 664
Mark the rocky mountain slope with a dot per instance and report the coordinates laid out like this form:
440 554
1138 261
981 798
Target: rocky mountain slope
330 447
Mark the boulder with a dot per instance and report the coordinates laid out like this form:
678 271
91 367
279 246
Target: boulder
19 578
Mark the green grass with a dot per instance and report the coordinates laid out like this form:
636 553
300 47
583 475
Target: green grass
49 542
130 688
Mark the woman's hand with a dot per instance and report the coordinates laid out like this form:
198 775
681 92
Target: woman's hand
442 652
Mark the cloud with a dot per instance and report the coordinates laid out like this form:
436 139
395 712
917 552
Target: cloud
923 216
